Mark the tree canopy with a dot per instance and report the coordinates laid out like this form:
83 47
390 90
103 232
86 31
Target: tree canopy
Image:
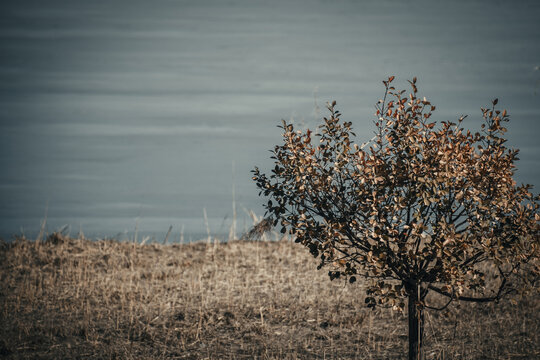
422 207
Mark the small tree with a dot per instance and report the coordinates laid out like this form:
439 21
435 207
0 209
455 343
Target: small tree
421 208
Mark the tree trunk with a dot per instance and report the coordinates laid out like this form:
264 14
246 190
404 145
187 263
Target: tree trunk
416 323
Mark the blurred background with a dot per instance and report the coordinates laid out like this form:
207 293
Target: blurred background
128 115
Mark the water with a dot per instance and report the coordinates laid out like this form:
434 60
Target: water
117 114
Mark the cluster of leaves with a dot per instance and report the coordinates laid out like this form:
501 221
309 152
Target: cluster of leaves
422 203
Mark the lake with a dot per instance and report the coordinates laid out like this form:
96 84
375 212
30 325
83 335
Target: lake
125 116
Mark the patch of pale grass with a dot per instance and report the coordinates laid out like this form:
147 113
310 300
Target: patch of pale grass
75 298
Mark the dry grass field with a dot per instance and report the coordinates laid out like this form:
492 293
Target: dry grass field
82 299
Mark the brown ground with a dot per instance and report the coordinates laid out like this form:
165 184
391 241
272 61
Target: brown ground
75 298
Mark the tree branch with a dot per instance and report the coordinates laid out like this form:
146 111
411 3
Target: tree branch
439 308
472 299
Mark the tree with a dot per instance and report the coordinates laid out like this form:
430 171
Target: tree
421 208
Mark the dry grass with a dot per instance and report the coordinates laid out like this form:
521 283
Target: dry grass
75 298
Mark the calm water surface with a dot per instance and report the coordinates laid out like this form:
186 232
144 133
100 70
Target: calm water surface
123 114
